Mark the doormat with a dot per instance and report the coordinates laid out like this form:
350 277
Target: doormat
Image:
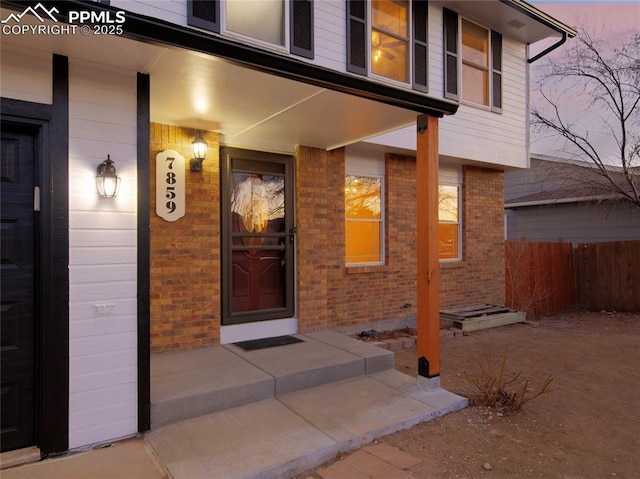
264 343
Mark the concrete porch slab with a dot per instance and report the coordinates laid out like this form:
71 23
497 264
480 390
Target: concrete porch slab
281 437
356 411
186 384
303 365
262 440
441 400
375 359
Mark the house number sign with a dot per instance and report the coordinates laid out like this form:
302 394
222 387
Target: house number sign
170 185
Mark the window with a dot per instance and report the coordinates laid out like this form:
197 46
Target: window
472 63
263 20
364 208
450 225
475 63
382 31
390 39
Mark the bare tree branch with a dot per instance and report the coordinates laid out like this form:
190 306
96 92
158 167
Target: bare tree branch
590 99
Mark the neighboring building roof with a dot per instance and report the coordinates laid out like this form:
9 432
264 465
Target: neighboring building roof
554 180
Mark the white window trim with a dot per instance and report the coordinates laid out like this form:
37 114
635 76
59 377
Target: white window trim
462 100
381 78
446 178
360 163
244 38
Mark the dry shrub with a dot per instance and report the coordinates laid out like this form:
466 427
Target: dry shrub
502 393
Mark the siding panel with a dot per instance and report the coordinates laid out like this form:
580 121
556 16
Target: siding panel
26 75
102 255
499 139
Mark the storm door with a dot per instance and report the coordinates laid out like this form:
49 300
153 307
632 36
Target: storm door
258 236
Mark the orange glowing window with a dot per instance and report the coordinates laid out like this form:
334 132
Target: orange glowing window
475 63
449 217
363 220
390 39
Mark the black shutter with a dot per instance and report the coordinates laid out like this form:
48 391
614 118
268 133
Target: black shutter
450 54
301 27
204 14
357 36
496 71
420 46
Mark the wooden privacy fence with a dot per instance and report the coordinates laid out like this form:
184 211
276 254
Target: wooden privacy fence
608 276
539 277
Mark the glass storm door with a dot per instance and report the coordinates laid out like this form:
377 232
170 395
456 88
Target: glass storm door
258 236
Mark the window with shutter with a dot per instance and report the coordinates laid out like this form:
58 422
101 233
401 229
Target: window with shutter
472 62
389 39
264 21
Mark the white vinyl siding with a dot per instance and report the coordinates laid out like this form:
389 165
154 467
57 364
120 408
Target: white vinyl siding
481 135
174 11
330 35
102 257
26 75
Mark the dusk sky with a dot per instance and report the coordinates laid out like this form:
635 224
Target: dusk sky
610 21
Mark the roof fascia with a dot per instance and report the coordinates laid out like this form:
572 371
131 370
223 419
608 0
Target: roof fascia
538 15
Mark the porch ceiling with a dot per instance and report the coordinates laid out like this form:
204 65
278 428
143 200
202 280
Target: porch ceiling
251 109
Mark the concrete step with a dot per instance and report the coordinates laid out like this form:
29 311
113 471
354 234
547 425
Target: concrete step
284 436
188 384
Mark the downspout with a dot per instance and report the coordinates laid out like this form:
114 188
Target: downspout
528 115
550 49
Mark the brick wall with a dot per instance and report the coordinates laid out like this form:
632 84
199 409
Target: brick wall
479 278
185 254
331 295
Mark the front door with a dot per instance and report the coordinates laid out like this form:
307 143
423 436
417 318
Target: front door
258 236
17 328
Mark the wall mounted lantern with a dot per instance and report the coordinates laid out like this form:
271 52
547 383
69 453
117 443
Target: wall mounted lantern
107 179
199 152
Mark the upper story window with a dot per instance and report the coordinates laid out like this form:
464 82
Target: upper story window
472 62
262 20
388 38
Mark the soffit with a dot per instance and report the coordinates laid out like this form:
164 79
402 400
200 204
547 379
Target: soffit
250 108
506 18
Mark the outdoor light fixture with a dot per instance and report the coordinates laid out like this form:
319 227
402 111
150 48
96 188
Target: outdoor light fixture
199 152
107 180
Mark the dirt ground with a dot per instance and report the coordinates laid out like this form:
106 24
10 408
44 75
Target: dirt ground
588 426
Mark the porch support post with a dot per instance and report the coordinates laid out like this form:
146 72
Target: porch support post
428 266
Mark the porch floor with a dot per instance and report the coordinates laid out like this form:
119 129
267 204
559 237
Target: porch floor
276 412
